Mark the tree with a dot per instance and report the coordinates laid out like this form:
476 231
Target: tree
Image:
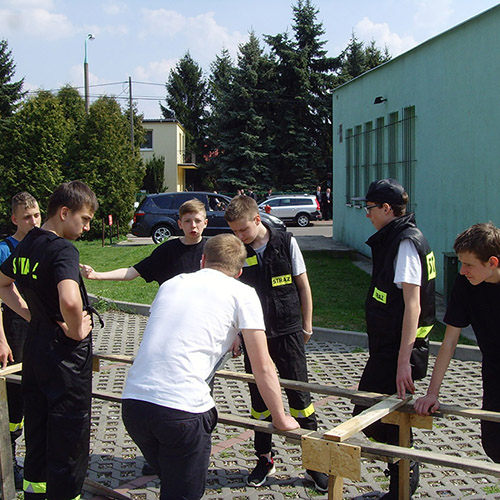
187 100
10 92
303 117
32 150
243 136
153 178
107 162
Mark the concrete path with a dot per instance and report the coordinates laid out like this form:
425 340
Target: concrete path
116 462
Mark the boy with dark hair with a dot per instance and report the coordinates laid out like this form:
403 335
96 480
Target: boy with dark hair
167 406
173 257
275 268
57 361
399 309
475 295
13 328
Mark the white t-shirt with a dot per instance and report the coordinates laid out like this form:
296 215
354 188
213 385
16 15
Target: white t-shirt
194 320
298 264
407 265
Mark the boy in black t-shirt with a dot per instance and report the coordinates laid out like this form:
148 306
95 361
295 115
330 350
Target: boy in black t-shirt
57 361
182 255
474 299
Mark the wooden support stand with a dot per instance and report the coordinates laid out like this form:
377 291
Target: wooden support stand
6 469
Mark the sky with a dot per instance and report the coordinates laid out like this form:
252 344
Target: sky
144 39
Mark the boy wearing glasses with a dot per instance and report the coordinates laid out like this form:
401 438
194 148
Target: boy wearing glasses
400 308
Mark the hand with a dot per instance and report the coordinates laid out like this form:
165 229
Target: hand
404 382
86 327
237 346
427 404
88 272
287 423
5 354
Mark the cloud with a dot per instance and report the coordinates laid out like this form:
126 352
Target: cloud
35 22
114 8
155 71
382 34
201 34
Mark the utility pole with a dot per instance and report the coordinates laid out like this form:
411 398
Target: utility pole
90 36
131 112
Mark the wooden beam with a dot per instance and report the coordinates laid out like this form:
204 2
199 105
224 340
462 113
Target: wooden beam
356 424
335 488
105 491
119 358
11 369
8 488
416 421
334 459
404 464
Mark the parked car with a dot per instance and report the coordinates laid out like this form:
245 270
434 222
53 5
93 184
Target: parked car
157 215
298 208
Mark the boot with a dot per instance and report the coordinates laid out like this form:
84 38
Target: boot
393 474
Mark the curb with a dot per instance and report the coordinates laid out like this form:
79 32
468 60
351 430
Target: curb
356 339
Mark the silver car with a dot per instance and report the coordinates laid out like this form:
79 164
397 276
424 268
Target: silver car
298 208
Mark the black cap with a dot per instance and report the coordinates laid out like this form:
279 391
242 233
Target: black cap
384 191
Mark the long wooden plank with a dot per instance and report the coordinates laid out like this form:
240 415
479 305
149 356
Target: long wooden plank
367 417
105 491
17 367
384 451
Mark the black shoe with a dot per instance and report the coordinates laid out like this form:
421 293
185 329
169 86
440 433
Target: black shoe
18 475
265 467
393 473
319 479
147 470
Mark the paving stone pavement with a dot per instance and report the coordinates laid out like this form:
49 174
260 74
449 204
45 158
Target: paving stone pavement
116 462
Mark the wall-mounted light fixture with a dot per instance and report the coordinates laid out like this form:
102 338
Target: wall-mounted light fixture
379 100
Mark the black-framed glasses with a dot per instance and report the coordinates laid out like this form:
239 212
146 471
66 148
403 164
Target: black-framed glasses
367 209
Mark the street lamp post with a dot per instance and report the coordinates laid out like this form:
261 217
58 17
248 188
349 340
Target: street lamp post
90 36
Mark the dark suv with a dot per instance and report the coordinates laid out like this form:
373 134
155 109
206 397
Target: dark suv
157 215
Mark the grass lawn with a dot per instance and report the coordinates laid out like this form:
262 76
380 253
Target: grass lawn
338 286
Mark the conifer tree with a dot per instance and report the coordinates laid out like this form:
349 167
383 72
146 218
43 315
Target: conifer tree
10 92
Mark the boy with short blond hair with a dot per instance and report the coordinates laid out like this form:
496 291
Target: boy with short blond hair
13 329
474 300
180 255
167 406
276 269
57 360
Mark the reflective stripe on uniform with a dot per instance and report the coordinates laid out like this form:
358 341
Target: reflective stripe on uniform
30 487
76 498
379 295
260 415
252 261
423 331
306 412
13 427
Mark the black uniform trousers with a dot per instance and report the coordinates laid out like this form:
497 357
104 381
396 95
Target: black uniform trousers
57 389
490 431
16 329
288 354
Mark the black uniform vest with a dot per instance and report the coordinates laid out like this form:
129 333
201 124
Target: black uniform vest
384 302
274 284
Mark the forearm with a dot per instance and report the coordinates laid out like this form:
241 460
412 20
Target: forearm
122 274
71 307
270 390
411 294
306 301
443 359
14 301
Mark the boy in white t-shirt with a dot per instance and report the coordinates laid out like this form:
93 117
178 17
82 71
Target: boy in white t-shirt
400 307
195 318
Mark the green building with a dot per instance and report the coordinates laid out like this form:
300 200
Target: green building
429 118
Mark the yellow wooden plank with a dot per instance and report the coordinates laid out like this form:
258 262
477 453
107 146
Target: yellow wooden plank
335 488
416 421
329 457
17 367
356 424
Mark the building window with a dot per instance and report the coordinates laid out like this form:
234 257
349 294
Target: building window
148 140
368 158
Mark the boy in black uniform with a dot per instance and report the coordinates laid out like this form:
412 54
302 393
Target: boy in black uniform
400 308
275 268
57 362
13 328
176 256
475 297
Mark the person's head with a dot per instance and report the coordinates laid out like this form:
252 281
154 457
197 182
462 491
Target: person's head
242 216
478 249
318 188
25 213
72 205
385 200
192 220
225 253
